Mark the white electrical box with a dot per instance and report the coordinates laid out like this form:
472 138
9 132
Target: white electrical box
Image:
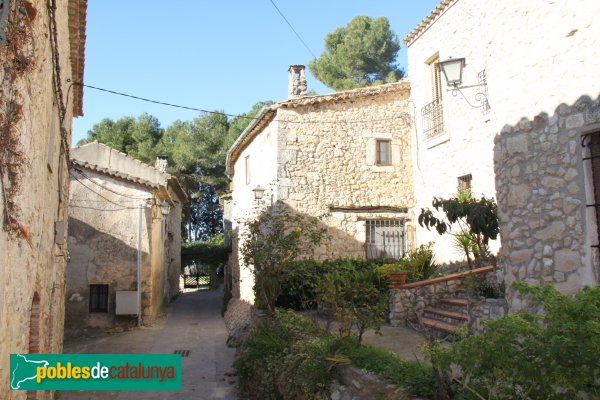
127 303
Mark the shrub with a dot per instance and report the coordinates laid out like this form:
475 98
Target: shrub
272 243
478 285
532 356
420 263
355 300
302 278
211 253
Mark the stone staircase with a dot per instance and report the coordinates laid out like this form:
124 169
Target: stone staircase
441 319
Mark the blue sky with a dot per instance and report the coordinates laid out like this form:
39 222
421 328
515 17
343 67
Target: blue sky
214 55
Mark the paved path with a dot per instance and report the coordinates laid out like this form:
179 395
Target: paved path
193 323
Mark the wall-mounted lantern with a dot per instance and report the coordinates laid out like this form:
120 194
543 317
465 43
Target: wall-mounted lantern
258 192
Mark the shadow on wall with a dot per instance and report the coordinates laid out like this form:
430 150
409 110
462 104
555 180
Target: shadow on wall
338 244
97 258
546 175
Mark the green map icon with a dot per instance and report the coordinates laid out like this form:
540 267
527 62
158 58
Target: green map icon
23 369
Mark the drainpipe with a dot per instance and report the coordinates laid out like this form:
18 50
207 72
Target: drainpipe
139 264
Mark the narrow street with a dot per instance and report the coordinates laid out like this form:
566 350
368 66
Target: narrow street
193 323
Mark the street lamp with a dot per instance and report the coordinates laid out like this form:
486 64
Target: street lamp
453 71
165 207
258 192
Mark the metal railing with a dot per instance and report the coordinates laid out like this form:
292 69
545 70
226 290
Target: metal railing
433 119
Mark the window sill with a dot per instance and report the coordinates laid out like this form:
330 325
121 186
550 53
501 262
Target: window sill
382 168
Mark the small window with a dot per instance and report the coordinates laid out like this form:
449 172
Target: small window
465 182
247 170
98 298
384 152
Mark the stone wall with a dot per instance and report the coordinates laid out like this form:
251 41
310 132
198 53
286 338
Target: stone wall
356 384
317 157
523 49
544 186
482 309
32 256
326 160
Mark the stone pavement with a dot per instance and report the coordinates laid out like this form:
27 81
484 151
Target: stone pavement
193 323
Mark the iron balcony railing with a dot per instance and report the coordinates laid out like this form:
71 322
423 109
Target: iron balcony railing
433 119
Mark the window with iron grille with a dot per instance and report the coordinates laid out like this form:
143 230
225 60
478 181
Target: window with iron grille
384 239
465 182
383 150
432 113
98 298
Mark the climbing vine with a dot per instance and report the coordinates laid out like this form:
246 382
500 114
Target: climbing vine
17 53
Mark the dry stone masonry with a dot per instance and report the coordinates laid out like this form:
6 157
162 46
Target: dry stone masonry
544 185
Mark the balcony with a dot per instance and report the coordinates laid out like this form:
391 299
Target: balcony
433 119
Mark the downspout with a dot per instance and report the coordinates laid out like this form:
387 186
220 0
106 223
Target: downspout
139 264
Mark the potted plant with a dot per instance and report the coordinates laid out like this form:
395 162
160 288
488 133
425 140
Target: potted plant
395 272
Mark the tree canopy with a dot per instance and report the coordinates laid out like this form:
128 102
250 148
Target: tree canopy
196 152
363 53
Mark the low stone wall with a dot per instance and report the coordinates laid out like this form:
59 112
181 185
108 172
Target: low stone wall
408 301
356 384
484 309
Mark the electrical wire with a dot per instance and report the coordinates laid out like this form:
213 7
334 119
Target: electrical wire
226 114
80 172
105 198
292 28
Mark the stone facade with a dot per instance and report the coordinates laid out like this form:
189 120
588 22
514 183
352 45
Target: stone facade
521 49
37 103
317 156
106 189
544 185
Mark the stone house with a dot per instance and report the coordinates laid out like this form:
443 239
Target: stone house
42 51
345 156
124 220
513 129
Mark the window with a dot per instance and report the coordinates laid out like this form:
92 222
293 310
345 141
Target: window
247 170
465 182
385 238
432 113
383 152
98 298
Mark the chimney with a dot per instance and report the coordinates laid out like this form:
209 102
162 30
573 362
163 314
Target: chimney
161 163
296 82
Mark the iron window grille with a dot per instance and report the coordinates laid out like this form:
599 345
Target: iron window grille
433 120
98 298
384 239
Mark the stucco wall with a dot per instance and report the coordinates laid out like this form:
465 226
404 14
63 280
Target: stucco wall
103 242
535 58
38 266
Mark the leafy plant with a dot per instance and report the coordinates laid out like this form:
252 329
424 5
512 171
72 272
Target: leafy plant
420 263
478 285
477 222
271 244
355 300
553 354
211 253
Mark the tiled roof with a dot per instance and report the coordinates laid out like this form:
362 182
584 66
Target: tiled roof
116 174
428 20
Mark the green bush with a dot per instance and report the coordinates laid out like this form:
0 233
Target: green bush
415 376
354 299
211 253
551 355
302 278
288 357
420 264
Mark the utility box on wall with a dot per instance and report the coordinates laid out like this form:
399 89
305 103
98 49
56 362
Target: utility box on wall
127 303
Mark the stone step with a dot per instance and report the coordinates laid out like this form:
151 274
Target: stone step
438 325
455 302
446 314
